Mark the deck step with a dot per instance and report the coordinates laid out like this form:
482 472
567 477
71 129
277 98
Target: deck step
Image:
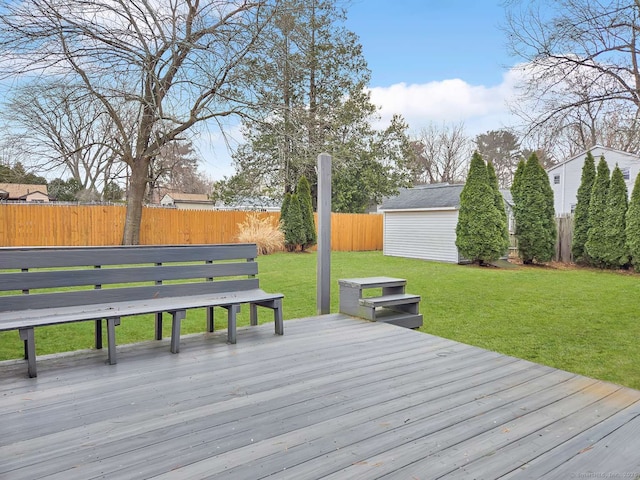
373 282
389 300
407 320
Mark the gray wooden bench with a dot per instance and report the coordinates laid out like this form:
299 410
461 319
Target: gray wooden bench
42 286
393 306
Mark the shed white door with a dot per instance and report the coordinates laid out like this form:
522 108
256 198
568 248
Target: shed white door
428 235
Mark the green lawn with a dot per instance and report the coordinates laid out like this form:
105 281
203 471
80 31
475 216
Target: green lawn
584 321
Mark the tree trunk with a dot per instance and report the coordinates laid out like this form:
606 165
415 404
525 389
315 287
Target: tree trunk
137 187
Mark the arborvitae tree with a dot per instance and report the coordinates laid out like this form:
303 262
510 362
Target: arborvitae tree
550 211
294 230
596 243
284 209
498 200
479 233
304 195
534 212
581 213
633 226
616 253
516 191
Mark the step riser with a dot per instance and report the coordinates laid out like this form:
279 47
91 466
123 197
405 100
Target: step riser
406 322
371 313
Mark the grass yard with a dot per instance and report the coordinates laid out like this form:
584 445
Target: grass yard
580 320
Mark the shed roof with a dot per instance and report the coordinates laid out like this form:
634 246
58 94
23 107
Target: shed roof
430 197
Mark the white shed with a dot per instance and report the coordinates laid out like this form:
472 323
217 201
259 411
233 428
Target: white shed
421 222
565 177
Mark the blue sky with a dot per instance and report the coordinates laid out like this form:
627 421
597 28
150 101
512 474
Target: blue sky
418 41
432 61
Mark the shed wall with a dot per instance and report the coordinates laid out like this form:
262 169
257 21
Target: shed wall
427 235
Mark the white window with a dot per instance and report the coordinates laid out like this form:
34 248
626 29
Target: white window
573 208
625 173
556 179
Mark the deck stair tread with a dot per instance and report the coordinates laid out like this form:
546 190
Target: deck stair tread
394 299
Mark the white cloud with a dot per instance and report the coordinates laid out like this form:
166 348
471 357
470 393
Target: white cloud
215 148
481 108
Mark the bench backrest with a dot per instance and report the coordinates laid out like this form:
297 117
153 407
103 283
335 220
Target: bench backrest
40 277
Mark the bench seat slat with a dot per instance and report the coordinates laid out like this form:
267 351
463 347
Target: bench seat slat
13 320
106 276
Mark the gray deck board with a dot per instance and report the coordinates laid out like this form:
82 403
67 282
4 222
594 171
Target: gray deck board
335 397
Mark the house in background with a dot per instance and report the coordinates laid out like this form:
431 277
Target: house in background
565 177
252 204
19 192
197 201
421 222
187 201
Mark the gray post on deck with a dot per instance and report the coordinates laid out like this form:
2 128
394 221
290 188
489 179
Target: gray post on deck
324 234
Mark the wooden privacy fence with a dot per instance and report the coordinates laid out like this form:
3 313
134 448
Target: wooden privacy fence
57 225
564 239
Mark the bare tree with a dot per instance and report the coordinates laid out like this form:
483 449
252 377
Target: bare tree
157 67
442 154
176 169
581 71
62 130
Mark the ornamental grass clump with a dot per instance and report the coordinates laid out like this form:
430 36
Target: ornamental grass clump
263 232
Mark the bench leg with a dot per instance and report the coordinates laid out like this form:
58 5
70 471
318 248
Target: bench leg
210 320
177 317
26 334
159 326
98 334
111 339
276 306
232 312
253 314
277 316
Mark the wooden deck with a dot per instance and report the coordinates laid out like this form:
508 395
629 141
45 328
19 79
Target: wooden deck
334 398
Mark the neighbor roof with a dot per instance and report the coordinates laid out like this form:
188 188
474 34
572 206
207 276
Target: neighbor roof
599 150
21 190
430 197
189 197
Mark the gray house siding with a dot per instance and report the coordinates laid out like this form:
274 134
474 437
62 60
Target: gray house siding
422 234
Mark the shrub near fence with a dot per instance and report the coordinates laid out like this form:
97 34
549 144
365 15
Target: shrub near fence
56 225
564 225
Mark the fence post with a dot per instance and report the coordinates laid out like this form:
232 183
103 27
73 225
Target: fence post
324 234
